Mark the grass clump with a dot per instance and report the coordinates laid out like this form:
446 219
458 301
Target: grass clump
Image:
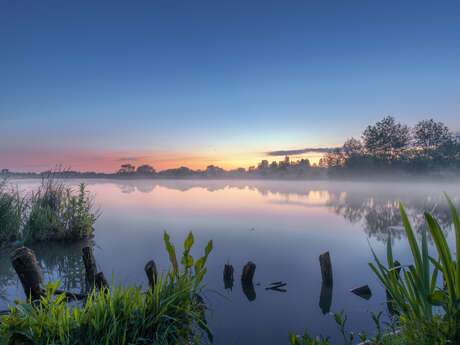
172 312
59 212
414 291
12 210
53 212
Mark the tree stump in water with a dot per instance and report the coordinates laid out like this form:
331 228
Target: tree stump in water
26 267
152 273
326 268
101 281
90 267
248 272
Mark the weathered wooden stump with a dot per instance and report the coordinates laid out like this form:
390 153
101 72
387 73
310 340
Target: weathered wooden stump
326 268
152 273
101 281
26 267
325 298
248 290
228 276
90 267
248 272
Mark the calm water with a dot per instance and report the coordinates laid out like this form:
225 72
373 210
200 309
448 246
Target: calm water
281 226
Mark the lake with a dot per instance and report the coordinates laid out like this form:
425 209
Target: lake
281 226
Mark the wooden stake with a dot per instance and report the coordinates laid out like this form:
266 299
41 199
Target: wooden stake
26 266
326 268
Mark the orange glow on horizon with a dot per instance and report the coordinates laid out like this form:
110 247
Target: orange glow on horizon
108 162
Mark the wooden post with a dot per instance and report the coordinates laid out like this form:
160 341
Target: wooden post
90 267
152 273
325 298
248 290
228 276
26 266
326 268
248 272
101 281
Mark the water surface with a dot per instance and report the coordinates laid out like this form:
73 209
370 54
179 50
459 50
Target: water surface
281 226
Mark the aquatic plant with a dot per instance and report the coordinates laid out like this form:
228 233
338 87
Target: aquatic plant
172 312
59 212
12 213
413 290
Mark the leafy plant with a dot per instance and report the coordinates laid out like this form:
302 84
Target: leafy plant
170 313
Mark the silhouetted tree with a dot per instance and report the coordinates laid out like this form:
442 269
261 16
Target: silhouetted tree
431 134
127 169
386 137
145 170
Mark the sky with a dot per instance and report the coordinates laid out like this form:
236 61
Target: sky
91 84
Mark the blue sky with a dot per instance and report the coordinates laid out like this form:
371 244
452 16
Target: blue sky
195 82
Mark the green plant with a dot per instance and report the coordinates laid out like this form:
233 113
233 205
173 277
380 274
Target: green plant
170 313
12 211
59 212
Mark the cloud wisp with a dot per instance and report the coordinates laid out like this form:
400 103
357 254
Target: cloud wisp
299 151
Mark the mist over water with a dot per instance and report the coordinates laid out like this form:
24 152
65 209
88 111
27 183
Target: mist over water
282 226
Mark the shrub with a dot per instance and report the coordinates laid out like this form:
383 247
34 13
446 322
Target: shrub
170 313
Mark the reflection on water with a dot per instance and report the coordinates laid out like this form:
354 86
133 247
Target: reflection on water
57 261
282 226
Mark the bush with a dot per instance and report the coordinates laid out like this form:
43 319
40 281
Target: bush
170 313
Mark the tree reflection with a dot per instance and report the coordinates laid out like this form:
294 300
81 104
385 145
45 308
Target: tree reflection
380 214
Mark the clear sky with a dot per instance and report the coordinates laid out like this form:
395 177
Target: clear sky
91 84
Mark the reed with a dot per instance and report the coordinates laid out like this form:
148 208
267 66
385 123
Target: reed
170 313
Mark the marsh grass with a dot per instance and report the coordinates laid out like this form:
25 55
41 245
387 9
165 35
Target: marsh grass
12 213
53 212
170 313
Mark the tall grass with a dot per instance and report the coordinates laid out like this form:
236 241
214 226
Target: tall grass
414 288
59 212
54 211
12 213
170 313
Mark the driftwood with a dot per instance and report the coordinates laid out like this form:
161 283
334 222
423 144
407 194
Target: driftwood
26 266
90 267
152 273
248 272
326 268
362 291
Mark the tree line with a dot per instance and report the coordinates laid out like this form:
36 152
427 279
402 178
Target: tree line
390 146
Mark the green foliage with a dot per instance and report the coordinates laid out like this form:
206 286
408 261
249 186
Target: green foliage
170 313
12 209
414 291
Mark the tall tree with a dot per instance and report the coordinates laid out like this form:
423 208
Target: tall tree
386 136
431 134
145 170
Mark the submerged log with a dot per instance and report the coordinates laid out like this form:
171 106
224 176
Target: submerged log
26 267
362 291
90 267
152 273
326 268
248 272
